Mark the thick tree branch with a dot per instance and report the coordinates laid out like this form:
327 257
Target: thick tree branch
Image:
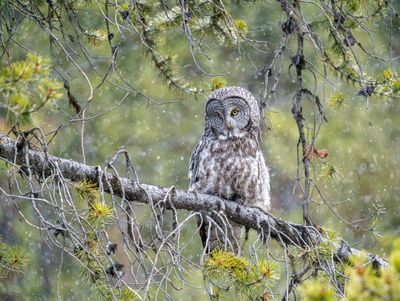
301 236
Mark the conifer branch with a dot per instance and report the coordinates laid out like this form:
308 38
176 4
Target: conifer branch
43 165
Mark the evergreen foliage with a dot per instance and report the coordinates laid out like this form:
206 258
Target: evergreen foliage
227 273
13 259
26 86
361 282
314 61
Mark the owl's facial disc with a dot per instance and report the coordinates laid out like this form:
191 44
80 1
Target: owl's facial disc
228 118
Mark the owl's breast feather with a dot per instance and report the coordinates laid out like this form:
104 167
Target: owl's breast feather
232 170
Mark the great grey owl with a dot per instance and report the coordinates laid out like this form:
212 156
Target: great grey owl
228 162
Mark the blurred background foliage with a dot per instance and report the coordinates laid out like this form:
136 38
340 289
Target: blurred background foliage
359 176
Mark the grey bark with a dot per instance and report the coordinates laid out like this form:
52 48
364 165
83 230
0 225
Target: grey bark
269 226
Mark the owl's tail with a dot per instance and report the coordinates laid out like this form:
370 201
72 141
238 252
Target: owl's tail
217 232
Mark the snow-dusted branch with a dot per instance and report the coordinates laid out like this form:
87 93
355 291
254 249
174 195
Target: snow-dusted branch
43 165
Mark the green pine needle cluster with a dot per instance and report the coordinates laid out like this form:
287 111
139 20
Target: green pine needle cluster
99 212
218 82
341 61
12 259
337 100
324 250
317 290
98 269
242 25
388 83
351 6
328 172
26 86
228 272
87 191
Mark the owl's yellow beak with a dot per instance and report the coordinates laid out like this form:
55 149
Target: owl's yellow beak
229 125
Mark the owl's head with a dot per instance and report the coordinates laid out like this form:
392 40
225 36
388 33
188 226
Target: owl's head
231 112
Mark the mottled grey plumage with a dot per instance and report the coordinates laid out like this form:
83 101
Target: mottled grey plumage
228 161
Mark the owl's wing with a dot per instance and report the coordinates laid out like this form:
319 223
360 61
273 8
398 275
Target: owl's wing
194 162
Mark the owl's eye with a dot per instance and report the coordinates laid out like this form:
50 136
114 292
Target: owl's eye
234 112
